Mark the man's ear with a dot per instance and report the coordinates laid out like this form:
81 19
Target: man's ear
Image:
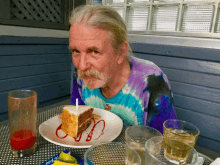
123 52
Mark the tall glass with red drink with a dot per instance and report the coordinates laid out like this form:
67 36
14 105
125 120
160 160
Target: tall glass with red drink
22 111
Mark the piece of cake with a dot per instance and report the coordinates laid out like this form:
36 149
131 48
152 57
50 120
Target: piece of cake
76 121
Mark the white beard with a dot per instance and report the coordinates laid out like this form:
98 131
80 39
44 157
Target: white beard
93 79
94 83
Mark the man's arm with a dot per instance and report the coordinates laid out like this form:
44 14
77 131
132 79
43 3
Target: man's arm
160 105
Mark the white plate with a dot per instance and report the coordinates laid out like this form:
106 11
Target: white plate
111 129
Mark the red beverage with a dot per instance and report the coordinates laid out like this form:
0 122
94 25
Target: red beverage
22 139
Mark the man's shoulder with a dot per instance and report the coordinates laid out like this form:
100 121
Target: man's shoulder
142 67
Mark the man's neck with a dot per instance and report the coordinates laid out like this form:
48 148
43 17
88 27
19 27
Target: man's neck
119 80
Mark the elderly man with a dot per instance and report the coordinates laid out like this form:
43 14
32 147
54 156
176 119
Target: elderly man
109 77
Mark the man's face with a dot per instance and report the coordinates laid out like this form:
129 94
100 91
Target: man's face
92 55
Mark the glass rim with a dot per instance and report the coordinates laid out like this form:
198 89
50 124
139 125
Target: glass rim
110 142
162 162
143 126
34 93
182 121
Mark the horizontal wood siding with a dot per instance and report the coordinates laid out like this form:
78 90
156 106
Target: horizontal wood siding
194 75
40 64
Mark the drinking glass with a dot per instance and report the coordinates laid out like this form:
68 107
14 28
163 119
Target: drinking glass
111 153
22 111
180 131
177 132
136 137
156 149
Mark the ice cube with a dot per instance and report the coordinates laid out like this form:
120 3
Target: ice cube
181 131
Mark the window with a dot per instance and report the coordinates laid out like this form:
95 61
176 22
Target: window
196 18
52 14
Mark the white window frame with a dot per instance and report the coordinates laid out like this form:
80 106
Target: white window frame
214 24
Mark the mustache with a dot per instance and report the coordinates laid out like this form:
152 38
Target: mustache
89 73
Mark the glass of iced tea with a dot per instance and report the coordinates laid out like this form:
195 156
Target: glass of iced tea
181 154
22 111
177 133
136 137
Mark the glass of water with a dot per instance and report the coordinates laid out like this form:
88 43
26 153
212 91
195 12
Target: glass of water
136 137
111 153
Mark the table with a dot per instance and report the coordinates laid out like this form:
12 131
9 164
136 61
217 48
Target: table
46 150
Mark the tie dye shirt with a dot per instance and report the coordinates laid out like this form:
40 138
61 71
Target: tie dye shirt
145 99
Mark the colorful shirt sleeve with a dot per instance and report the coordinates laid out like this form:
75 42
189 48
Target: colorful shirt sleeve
76 91
160 106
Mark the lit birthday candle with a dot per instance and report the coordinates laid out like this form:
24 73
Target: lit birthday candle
76 104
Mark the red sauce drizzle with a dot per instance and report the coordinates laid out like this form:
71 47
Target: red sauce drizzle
57 132
89 137
80 135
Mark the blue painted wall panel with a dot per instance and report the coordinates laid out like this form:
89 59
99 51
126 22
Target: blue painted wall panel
28 60
23 71
40 64
23 82
206 54
197 105
5 40
186 64
32 49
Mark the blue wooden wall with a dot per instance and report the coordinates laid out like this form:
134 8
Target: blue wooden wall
40 64
194 74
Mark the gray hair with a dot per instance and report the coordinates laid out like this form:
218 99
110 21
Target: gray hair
103 17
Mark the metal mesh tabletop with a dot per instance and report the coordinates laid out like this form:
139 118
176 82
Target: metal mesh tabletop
45 150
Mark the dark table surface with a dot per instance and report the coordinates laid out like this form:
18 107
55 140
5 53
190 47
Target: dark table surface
46 150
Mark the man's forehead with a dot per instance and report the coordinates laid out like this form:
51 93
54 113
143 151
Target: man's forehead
82 32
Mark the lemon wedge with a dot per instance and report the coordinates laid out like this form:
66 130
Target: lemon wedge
67 158
57 162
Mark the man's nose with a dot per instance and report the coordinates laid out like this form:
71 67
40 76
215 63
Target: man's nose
83 63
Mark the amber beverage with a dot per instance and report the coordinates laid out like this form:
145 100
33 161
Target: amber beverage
177 133
171 152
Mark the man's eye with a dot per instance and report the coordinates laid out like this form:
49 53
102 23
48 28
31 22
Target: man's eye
95 52
75 51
